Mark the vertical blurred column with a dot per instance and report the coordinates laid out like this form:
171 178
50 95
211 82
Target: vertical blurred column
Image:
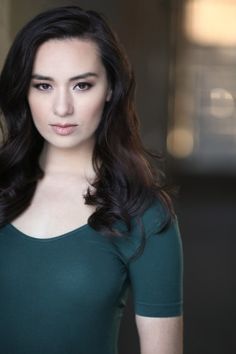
202 131
146 36
4 29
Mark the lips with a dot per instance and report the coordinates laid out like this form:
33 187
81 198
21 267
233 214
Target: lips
64 129
63 125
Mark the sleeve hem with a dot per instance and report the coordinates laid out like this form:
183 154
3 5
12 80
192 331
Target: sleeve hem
159 310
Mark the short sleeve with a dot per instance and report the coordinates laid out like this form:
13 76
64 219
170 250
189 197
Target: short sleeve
156 276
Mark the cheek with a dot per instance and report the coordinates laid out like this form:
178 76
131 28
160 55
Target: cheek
37 109
91 109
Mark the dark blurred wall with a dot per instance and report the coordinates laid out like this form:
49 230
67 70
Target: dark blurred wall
203 165
206 209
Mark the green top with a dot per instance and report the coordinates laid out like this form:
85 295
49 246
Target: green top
66 294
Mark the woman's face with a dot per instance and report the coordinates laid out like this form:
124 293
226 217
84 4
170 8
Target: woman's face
69 86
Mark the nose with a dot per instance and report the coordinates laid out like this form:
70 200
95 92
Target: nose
63 104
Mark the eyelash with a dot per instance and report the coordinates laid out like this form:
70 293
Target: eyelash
87 84
40 85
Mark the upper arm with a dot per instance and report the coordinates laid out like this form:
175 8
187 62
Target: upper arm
156 280
160 335
156 276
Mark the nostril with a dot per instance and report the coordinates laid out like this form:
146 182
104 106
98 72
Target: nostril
63 109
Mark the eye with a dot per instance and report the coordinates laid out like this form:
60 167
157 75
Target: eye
83 86
42 86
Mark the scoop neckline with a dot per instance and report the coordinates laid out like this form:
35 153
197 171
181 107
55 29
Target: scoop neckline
47 239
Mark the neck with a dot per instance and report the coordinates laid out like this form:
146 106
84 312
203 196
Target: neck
56 161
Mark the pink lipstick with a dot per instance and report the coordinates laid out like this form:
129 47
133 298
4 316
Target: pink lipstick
63 129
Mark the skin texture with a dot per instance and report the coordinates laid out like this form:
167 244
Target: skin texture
66 101
160 335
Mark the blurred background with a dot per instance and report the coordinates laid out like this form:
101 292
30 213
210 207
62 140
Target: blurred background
184 56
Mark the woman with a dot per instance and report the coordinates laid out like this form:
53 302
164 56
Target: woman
83 219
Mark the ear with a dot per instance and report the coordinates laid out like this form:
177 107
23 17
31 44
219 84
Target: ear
109 94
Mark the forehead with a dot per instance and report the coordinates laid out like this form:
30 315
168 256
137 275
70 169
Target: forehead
67 56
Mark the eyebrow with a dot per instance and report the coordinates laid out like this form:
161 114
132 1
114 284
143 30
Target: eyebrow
78 77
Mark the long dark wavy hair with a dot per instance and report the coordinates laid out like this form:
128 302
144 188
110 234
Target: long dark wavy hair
126 180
